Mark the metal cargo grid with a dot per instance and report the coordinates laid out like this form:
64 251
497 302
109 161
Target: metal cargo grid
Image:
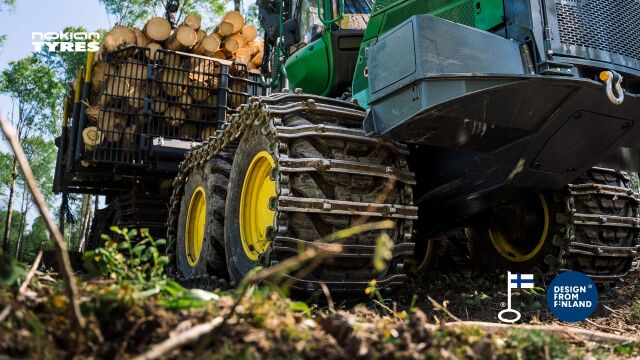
155 103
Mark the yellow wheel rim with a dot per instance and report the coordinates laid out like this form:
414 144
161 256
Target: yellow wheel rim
513 252
426 260
255 215
196 219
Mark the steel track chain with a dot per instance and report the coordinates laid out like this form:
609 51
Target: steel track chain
265 114
575 219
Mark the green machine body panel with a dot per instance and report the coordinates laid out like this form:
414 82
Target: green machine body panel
387 14
312 67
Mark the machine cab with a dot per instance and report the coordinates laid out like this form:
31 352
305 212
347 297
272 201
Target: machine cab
324 54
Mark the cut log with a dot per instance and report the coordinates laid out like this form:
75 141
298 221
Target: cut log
118 38
209 45
99 71
117 86
204 70
92 137
201 35
236 19
257 60
111 125
188 131
174 115
153 49
249 32
199 91
225 29
92 113
159 106
195 113
185 102
219 55
174 82
136 97
184 38
207 132
193 21
129 137
234 42
157 29
141 39
243 55
133 71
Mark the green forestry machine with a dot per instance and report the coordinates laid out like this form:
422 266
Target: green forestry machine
504 132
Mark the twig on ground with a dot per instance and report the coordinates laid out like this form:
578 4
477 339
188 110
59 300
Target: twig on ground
60 247
389 310
439 307
30 274
23 286
582 334
180 339
604 327
327 294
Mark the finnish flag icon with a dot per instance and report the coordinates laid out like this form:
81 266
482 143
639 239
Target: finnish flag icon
521 281
515 281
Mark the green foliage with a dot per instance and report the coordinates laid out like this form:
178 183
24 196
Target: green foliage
36 94
634 314
125 260
3 40
10 270
7 5
38 238
531 344
136 12
14 234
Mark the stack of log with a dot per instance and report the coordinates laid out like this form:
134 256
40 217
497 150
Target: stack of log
231 40
186 92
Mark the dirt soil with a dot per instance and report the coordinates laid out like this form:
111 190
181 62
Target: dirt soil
123 323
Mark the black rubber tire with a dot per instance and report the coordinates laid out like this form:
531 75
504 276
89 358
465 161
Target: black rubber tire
602 234
487 257
238 264
555 256
213 177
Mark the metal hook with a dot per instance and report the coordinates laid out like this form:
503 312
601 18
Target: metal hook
608 77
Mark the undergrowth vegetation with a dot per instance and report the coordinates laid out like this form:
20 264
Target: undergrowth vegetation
131 305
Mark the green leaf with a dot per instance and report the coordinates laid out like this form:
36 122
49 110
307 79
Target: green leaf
300 306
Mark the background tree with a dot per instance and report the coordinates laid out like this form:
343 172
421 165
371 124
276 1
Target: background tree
36 96
41 154
137 12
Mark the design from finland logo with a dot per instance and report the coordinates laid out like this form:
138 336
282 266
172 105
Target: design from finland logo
515 281
572 296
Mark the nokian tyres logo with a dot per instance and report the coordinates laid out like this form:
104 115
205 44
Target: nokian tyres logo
66 41
572 296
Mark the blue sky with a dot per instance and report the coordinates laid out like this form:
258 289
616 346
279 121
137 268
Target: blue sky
43 16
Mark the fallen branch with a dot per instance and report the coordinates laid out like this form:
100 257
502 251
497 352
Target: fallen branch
583 334
60 247
180 339
440 307
23 286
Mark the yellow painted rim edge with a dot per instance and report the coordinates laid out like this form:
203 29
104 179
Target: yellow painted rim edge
501 244
195 226
252 200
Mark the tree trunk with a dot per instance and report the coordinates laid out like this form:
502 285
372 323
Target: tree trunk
23 224
7 224
237 4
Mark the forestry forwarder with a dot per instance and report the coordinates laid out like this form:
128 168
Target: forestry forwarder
501 109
